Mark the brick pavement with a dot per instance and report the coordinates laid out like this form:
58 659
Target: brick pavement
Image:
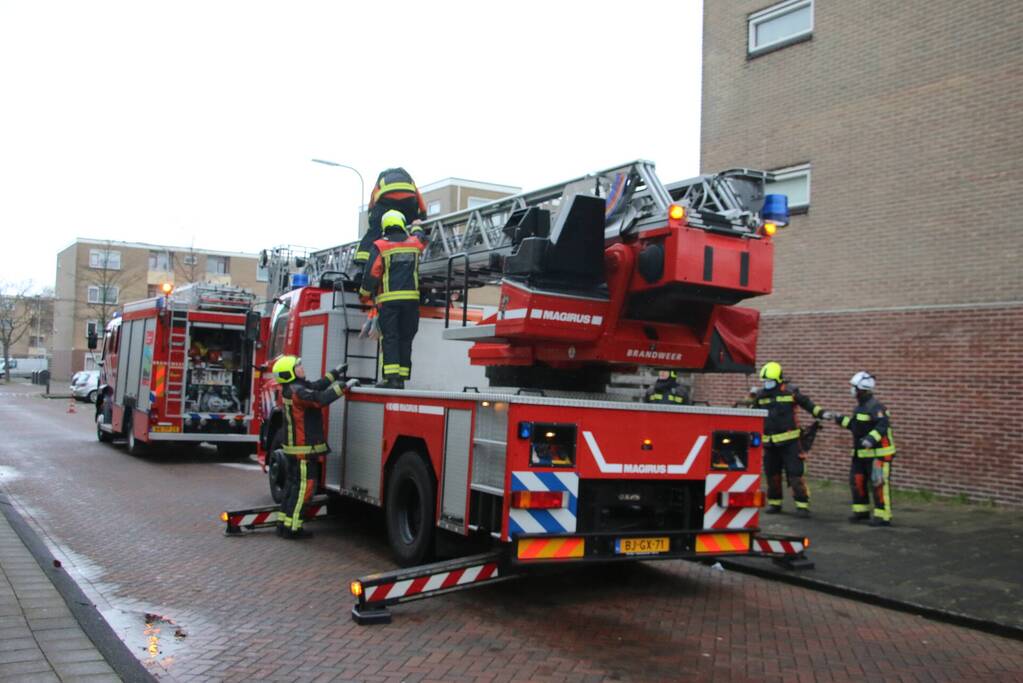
143 535
40 639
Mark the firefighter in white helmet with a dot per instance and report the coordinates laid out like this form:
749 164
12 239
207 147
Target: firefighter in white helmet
872 454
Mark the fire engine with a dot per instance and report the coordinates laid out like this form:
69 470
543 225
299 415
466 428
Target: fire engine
507 431
179 368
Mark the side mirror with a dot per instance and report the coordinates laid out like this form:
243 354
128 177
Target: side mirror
252 325
92 340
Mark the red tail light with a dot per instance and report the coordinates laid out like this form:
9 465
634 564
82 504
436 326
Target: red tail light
537 499
748 499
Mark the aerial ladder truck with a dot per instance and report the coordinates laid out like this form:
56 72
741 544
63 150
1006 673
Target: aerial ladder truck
506 431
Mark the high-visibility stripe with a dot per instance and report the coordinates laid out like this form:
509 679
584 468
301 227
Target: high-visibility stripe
362 256
305 450
886 512
384 188
860 507
550 548
782 437
863 417
875 435
722 543
846 421
399 295
296 514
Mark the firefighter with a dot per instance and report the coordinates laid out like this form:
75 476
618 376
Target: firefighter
666 390
391 277
872 454
781 438
304 439
394 190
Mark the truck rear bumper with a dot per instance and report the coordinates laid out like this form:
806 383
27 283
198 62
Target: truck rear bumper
209 438
531 549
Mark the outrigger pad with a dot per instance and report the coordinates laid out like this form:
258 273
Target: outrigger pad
367 616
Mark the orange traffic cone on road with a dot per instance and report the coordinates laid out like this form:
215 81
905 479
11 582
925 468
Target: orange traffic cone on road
71 406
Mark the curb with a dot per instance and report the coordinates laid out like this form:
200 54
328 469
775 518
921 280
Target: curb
933 613
113 649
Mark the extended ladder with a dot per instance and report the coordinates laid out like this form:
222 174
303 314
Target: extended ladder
463 242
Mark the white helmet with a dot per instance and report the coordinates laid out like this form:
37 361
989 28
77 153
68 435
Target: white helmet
863 381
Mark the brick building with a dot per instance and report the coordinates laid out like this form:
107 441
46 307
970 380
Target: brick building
95 277
896 129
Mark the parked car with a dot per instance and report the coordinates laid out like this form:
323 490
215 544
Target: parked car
85 384
24 367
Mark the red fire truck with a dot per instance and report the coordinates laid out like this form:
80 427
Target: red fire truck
507 430
179 368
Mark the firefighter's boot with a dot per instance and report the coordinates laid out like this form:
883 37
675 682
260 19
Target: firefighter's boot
297 534
773 510
858 517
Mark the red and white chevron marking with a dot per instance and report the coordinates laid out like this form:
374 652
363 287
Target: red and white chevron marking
717 517
763 545
433 582
270 516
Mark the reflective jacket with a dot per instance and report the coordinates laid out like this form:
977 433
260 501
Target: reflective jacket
666 392
396 184
303 413
392 271
870 421
780 425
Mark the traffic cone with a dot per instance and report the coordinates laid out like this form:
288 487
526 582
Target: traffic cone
71 406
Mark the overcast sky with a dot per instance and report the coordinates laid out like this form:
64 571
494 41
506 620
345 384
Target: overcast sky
194 122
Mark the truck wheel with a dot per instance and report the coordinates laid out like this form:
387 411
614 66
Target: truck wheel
277 467
135 447
410 504
101 436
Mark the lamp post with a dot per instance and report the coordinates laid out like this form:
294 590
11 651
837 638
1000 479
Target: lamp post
362 183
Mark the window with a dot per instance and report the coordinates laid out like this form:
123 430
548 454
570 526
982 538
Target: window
33 340
152 290
473 202
189 259
280 331
159 260
104 259
780 25
217 265
433 208
262 273
102 295
91 327
794 182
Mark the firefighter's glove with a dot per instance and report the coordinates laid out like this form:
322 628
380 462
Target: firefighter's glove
340 371
828 415
866 442
357 277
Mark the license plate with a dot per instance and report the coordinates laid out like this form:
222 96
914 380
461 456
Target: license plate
166 428
642 546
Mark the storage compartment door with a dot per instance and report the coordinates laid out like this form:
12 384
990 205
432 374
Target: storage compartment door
457 430
364 434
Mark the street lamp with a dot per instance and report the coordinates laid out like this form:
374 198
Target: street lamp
362 183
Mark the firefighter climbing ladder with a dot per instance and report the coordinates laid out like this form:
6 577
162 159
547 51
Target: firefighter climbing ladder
464 241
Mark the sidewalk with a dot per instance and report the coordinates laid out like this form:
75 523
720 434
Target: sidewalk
40 640
948 556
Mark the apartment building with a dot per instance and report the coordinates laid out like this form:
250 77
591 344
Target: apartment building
894 128
95 277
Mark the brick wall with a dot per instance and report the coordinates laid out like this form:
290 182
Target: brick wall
949 376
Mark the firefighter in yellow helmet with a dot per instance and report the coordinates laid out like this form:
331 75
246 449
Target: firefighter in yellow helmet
391 279
666 389
781 438
304 438
394 190
872 454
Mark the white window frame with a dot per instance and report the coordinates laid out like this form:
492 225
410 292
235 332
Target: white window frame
96 289
479 201
433 208
95 327
790 172
105 259
226 260
190 260
774 12
157 253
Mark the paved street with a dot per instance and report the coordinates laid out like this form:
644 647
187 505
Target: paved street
141 536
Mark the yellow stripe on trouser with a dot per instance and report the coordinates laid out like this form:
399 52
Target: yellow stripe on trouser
296 514
886 513
782 437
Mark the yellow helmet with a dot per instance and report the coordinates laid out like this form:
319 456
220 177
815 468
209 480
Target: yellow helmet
284 368
392 219
771 370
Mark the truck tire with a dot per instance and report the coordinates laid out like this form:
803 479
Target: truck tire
101 436
277 467
135 447
409 507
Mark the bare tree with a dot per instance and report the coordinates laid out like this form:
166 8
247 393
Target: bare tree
186 264
107 275
15 319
